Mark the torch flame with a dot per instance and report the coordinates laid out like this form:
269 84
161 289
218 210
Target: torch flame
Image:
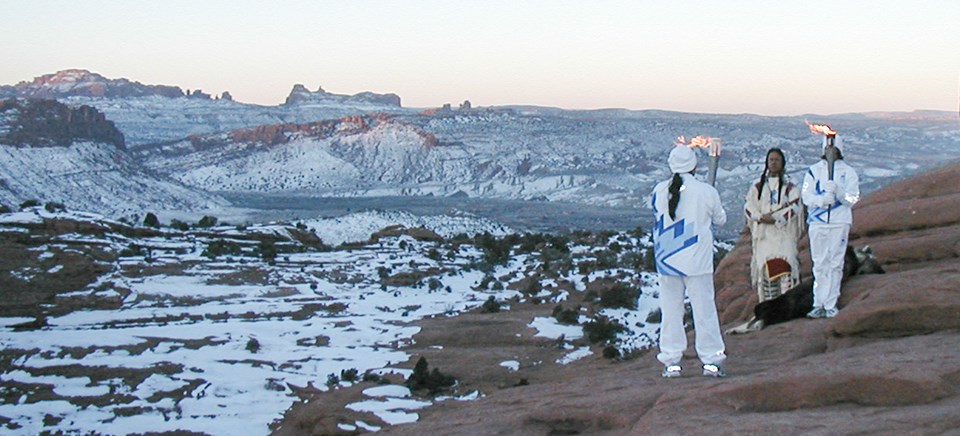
713 144
822 129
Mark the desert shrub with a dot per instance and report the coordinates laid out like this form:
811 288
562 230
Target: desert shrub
53 206
497 286
434 283
349 375
611 352
486 280
495 251
637 232
558 267
615 247
132 250
29 203
434 254
649 261
633 260
590 296
207 221
606 259
532 286
581 237
267 250
586 267
179 225
559 242
530 241
404 278
332 380
460 238
620 295
151 220
490 306
253 345
370 376
5 209
551 253
602 329
566 316
482 266
222 247
424 379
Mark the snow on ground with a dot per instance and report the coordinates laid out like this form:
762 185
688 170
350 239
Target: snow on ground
203 331
359 226
218 345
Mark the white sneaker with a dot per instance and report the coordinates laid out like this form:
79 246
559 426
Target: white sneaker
713 370
817 312
830 313
671 371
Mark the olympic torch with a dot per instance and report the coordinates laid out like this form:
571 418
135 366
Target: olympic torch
711 144
714 161
829 150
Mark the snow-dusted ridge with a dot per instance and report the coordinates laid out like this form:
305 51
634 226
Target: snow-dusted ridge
358 227
95 177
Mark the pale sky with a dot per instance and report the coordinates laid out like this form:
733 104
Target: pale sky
735 56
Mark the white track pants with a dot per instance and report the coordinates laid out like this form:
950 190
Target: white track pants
828 244
706 323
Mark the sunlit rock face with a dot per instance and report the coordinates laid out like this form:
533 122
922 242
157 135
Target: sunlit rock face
300 95
83 83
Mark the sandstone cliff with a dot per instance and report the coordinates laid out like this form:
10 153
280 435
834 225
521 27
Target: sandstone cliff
49 123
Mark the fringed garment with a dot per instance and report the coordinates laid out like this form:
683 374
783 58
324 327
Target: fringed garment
775 265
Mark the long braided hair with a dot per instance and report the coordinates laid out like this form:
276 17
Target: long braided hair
674 198
766 169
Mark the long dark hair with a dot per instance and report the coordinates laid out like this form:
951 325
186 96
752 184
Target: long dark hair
766 169
674 198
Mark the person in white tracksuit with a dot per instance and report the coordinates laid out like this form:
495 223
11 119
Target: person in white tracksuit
829 217
684 208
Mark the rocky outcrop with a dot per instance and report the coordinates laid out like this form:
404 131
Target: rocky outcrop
278 134
46 123
83 83
301 95
888 363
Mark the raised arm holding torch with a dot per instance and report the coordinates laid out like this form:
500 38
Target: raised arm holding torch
829 151
713 147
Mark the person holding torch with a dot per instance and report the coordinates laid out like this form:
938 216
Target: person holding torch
830 189
684 210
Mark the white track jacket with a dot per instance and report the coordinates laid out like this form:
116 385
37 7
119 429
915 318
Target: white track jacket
684 247
821 208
